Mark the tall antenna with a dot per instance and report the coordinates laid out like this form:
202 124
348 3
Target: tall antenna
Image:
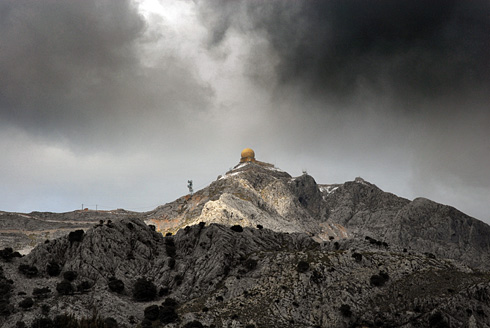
189 185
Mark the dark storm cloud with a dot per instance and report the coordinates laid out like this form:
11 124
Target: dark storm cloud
391 90
411 48
73 70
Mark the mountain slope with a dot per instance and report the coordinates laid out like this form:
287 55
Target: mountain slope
421 224
252 195
237 277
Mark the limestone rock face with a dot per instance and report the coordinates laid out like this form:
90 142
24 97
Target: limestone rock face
234 277
252 195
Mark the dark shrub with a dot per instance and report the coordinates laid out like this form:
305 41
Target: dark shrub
76 235
53 269
178 279
65 288
316 277
26 303
110 323
170 247
70 275
42 323
152 312
28 271
144 290
20 324
260 227
237 228
250 264
146 323
193 324
6 254
437 320
380 279
5 289
45 308
357 257
168 314
84 286
302 266
345 310
171 263
152 227
170 302
41 292
116 285
202 224
5 308
430 255
164 291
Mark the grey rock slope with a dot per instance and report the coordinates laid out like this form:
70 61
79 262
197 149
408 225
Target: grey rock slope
252 195
423 225
217 276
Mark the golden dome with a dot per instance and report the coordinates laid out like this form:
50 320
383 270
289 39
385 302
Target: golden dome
247 155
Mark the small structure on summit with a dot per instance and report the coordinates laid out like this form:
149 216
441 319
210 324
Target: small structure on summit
248 155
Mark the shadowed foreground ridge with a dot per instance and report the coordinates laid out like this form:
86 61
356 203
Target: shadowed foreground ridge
233 276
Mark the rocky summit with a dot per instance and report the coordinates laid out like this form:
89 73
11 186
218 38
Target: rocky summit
256 248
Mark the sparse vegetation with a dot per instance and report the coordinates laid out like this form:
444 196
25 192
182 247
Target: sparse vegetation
345 310
70 275
53 269
65 288
116 285
26 303
28 270
357 257
7 254
41 292
76 236
237 228
194 324
167 314
380 279
170 247
152 312
250 264
144 290
302 266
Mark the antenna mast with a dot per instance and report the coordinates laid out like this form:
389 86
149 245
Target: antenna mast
189 185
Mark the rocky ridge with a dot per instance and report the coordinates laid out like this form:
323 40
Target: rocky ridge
251 194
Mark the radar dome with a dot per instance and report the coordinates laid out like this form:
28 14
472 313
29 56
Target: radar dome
248 155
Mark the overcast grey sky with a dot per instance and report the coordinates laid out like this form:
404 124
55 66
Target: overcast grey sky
119 103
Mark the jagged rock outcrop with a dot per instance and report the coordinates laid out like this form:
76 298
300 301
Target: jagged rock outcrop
226 276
